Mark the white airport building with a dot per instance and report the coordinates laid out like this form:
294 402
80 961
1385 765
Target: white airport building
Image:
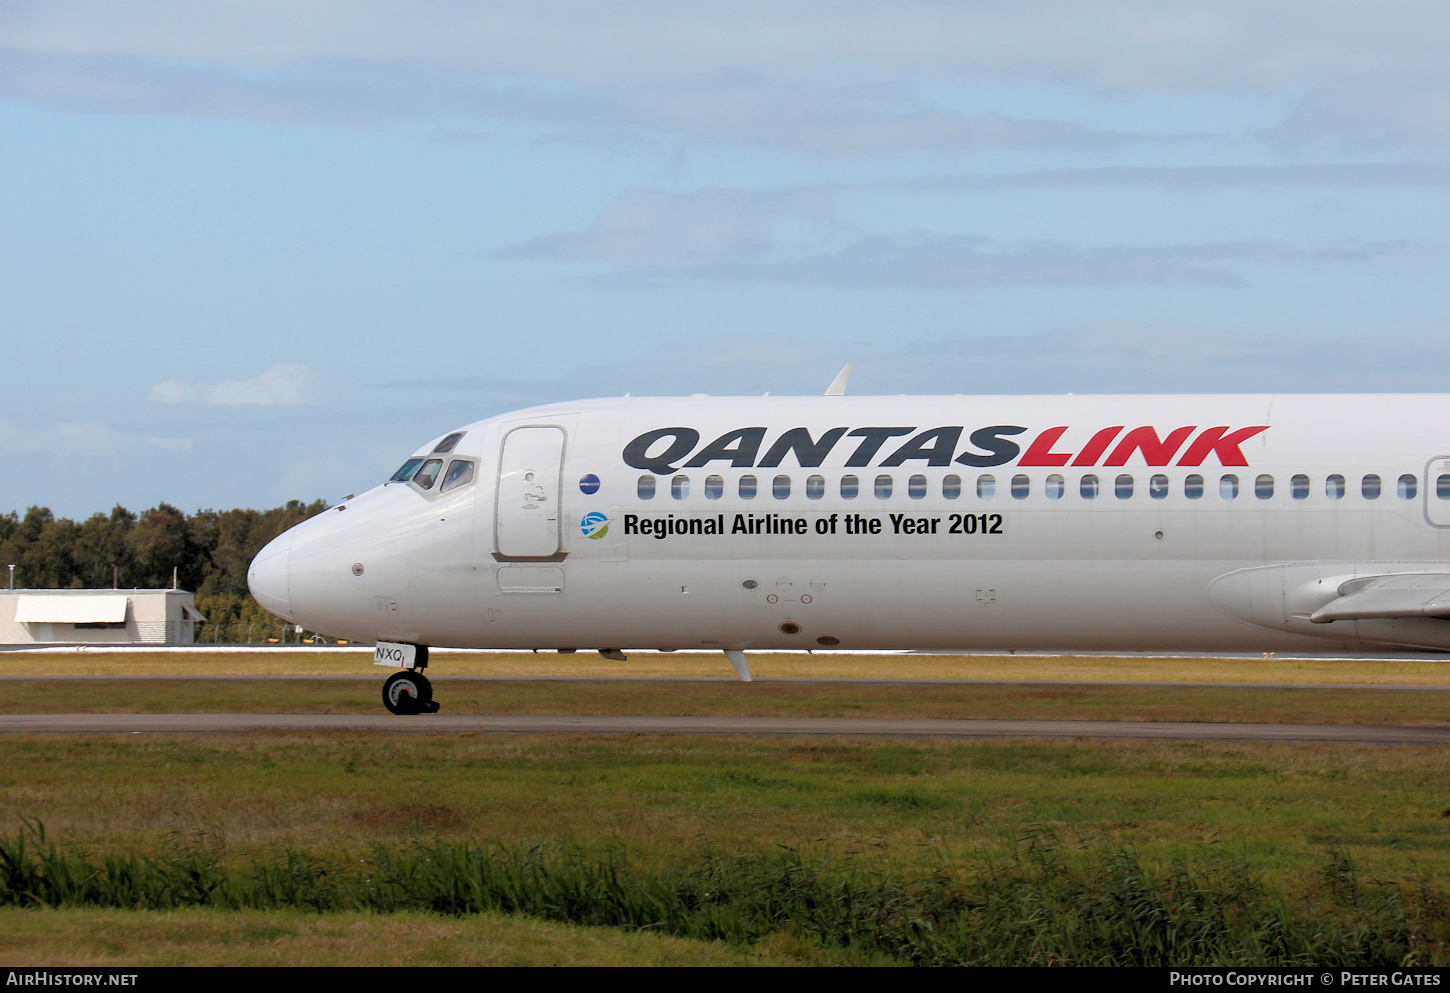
97 617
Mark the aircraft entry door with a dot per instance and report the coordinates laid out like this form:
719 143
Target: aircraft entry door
1437 493
526 516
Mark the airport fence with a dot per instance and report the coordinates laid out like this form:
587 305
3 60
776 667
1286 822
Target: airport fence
253 633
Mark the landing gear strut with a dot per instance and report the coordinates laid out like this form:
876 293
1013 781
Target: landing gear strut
409 692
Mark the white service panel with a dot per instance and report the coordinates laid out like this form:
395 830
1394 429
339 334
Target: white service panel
527 518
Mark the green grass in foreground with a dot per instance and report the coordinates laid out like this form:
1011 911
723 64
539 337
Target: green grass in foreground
1214 669
343 792
729 699
1034 904
1330 853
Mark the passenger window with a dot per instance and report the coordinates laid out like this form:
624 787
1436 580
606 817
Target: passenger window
1158 486
1299 487
645 488
428 475
1193 486
986 486
747 487
449 443
850 487
1087 488
815 487
680 487
1228 486
411 466
1369 487
1442 487
460 473
1334 486
916 487
951 487
1123 486
714 487
883 486
1021 486
780 487
1407 487
1264 487
1056 486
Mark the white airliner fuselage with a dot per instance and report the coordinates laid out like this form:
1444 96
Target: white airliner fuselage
1213 523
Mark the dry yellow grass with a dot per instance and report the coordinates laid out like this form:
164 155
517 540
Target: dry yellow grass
1410 671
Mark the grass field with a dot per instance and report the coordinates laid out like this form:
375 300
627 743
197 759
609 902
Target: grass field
1408 671
1290 811
1347 843
340 792
732 699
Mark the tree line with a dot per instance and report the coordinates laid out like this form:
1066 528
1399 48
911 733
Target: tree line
208 552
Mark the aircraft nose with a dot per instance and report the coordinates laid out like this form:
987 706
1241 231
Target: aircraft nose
267 577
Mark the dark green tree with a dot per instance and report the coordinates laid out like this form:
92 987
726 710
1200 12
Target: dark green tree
159 544
102 554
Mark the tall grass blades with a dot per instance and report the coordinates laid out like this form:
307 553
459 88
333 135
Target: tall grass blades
1035 903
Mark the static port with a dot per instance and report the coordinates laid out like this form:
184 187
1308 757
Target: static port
790 627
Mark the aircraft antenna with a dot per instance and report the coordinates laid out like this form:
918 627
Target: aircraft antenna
838 385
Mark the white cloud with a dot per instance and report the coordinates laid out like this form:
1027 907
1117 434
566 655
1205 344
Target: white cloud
1118 43
283 384
652 237
834 77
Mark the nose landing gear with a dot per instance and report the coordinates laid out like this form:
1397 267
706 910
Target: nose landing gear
409 692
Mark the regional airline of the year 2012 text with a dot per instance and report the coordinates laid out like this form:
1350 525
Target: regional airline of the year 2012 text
1161 523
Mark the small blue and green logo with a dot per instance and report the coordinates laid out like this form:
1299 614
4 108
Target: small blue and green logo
594 525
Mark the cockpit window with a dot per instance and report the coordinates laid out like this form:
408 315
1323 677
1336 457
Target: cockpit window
428 475
460 473
449 443
406 472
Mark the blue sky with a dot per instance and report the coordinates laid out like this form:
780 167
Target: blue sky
252 251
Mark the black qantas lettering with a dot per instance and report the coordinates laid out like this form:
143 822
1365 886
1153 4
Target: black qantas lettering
936 446
663 450
810 454
871 441
1001 450
736 447
636 453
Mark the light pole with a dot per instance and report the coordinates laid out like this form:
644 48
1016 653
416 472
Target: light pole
12 576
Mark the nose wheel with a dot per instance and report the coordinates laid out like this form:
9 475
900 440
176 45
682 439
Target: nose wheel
409 692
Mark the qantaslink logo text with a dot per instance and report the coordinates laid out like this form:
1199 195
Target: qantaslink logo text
666 450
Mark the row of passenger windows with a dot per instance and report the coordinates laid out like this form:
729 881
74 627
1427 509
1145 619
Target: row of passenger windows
1054 487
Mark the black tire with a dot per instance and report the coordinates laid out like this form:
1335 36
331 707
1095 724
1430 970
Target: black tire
408 692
